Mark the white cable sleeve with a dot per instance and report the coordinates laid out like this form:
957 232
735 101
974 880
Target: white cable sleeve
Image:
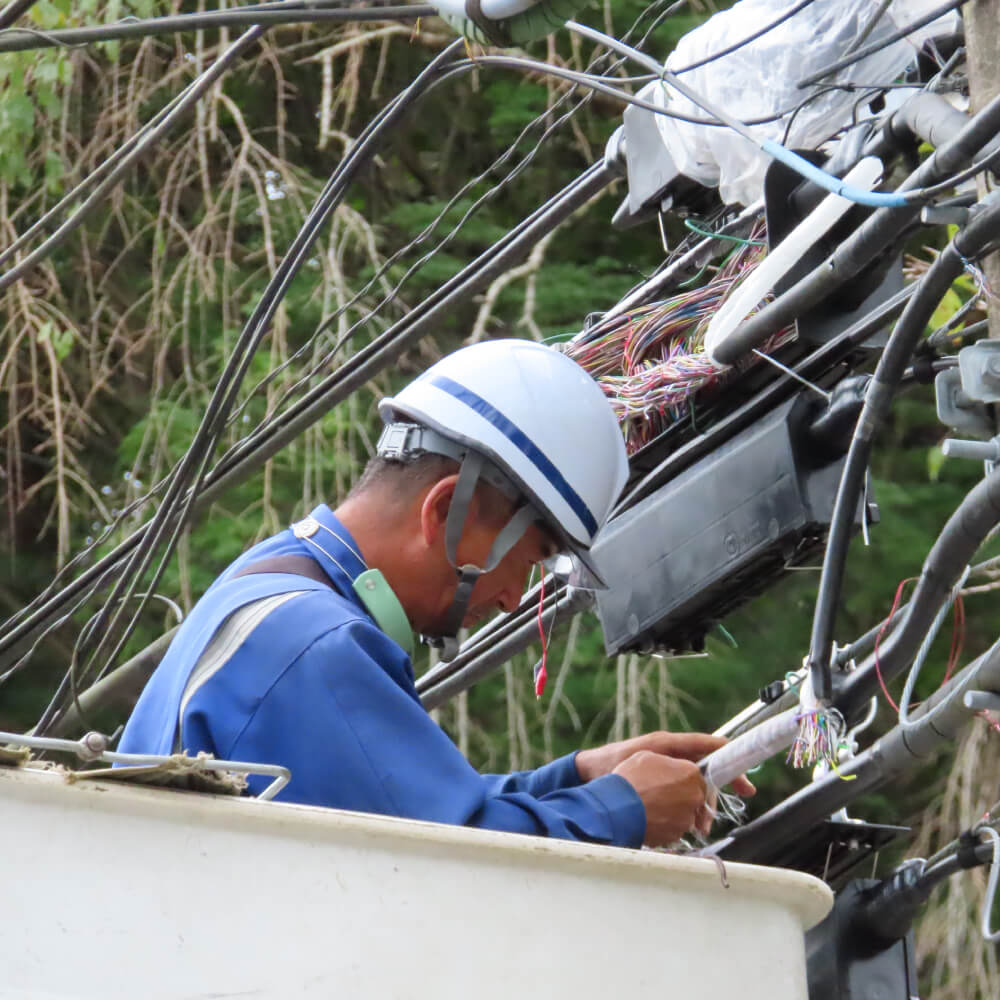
752 748
865 174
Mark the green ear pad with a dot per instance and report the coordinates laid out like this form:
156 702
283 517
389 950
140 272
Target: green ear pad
383 605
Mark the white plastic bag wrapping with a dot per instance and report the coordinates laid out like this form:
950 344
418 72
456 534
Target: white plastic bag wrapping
759 79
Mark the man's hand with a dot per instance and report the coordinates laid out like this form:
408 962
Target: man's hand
673 792
596 763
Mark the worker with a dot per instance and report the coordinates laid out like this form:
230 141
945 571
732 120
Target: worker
502 456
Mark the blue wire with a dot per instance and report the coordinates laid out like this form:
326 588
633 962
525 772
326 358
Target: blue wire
876 199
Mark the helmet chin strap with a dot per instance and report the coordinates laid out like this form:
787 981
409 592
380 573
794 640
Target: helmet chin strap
468 574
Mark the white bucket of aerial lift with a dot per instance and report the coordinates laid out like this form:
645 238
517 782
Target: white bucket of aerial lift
123 892
538 416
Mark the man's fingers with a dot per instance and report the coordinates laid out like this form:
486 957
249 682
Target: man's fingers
692 746
743 786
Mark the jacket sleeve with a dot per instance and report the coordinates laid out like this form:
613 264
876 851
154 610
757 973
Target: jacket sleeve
560 773
345 718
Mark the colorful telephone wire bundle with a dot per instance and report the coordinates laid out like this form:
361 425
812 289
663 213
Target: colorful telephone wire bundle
651 362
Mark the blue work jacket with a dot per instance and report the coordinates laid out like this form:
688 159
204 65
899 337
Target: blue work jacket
318 687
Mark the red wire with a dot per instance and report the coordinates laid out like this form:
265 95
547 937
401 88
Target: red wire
878 639
541 676
957 640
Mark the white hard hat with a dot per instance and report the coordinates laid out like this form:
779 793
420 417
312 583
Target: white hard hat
536 416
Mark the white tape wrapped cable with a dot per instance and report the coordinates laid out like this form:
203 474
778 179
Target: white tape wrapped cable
752 748
866 174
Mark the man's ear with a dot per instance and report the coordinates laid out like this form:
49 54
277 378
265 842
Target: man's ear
434 509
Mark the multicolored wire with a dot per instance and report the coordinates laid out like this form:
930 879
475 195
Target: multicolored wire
651 361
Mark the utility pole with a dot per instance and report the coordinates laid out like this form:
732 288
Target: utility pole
982 39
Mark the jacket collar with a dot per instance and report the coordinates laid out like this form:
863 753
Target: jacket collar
323 537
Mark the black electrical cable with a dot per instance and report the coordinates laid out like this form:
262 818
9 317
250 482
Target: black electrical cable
551 124
952 340
872 24
129 543
877 403
267 15
190 96
360 368
186 481
43 609
534 66
13 10
890 39
729 49
951 864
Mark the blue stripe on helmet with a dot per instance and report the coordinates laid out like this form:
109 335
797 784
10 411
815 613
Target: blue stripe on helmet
515 435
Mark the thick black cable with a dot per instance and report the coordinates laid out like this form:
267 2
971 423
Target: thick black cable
896 36
13 10
186 481
267 15
932 287
873 22
729 49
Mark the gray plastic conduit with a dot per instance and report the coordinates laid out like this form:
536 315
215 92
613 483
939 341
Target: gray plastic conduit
870 239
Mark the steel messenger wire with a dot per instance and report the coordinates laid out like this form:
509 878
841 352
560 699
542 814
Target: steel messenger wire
291 12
